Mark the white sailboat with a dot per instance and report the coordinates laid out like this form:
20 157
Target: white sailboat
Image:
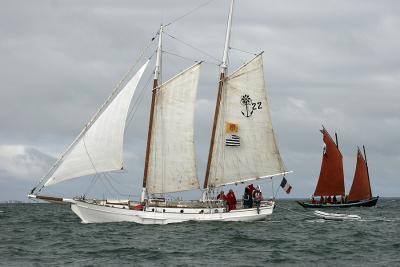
242 147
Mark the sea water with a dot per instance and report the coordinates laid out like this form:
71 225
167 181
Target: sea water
50 234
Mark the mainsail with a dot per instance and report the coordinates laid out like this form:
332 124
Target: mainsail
244 147
360 189
331 177
172 165
99 147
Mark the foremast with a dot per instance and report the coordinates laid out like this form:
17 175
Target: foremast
243 145
223 73
156 82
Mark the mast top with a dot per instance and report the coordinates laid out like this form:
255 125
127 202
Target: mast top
224 65
157 70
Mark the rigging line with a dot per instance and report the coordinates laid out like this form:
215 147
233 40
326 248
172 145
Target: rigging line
107 189
138 100
112 186
135 106
276 191
109 178
90 186
193 47
243 51
87 152
191 59
188 13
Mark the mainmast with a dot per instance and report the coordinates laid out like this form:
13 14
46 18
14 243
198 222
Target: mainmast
157 74
224 67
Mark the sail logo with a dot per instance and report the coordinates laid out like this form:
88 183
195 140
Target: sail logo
249 105
232 127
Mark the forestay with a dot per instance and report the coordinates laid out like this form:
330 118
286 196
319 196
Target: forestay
99 147
172 166
244 114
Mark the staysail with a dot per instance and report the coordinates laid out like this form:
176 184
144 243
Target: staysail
172 165
331 177
99 147
360 189
244 147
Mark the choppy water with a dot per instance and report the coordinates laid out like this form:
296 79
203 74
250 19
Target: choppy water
46 234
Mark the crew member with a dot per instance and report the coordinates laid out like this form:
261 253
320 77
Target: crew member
231 200
221 196
257 196
251 189
246 198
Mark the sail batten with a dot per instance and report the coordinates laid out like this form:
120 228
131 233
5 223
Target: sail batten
172 164
99 146
331 178
244 144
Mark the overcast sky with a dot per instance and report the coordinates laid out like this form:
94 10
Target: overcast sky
335 63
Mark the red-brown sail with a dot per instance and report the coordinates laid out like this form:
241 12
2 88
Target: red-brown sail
331 177
360 189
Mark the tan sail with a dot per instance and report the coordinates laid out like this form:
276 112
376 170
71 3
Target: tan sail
245 146
172 165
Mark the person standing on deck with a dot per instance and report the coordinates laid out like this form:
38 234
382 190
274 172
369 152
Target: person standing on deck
231 200
251 189
257 197
221 196
246 198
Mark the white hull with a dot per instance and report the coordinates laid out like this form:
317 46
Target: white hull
95 213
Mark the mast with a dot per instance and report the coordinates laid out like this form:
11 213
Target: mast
224 67
337 142
366 164
157 74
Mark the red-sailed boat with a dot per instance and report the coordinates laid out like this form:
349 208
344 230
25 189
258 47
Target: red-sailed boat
330 188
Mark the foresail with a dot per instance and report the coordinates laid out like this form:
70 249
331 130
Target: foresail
245 146
172 166
360 189
99 147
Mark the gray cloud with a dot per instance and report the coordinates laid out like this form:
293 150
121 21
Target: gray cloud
326 62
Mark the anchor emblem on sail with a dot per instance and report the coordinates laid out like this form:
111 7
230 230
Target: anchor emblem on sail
250 106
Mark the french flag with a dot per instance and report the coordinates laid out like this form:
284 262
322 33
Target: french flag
286 186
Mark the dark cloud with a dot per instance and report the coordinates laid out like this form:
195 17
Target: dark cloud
326 62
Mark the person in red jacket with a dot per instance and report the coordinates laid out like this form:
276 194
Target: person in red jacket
231 200
221 196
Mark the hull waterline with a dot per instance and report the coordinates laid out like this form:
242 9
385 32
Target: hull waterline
94 213
364 203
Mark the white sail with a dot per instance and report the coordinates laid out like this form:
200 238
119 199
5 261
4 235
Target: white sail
99 147
172 165
244 147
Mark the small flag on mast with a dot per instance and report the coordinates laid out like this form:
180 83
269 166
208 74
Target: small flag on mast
286 186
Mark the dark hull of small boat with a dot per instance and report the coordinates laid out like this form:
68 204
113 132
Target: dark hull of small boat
363 203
